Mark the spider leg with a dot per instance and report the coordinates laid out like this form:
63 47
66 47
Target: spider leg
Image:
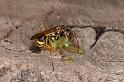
51 50
42 28
75 36
66 36
61 47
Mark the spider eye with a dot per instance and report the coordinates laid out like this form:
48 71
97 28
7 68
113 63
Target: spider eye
68 30
41 38
56 37
56 33
61 33
61 25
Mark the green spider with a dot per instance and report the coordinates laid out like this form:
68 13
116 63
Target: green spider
58 37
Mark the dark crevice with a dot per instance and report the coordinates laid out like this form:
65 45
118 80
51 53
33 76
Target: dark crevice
34 49
99 31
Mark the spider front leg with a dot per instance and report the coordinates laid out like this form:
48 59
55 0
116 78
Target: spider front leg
51 51
75 36
61 47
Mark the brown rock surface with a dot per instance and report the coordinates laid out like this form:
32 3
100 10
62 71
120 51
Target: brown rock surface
108 52
100 29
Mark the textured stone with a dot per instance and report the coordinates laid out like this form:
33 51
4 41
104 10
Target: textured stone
108 53
5 29
103 63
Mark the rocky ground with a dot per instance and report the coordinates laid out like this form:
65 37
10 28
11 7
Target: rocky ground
100 29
